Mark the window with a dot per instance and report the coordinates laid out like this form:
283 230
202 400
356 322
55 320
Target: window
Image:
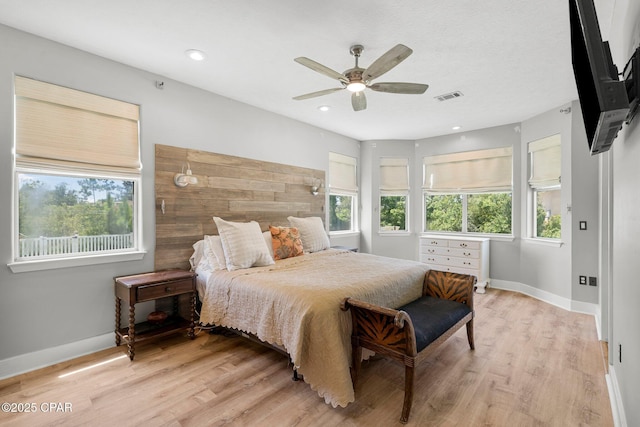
469 192
343 192
77 173
545 188
394 194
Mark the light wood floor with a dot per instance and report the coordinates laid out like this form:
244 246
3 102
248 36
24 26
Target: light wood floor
534 365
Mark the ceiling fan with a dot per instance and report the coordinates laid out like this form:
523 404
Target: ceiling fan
357 79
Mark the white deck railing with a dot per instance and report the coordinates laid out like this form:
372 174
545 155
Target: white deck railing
45 246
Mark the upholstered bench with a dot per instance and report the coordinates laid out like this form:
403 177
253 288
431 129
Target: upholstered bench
410 333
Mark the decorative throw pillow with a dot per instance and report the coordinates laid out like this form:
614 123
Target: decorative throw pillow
286 242
314 237
243 244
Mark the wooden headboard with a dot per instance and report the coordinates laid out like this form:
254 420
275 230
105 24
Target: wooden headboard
232 188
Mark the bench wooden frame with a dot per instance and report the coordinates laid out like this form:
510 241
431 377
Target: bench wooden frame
391 333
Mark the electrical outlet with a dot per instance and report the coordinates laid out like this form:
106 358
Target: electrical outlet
582 280
593 281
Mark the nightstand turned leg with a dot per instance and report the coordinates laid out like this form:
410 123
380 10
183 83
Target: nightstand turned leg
132 331
192 325
117 321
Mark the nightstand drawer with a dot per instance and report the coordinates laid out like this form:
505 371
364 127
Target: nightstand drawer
164 289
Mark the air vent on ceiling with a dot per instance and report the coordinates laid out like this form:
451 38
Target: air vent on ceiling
448 96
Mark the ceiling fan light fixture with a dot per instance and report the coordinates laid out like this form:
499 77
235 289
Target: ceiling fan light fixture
356 87
324 108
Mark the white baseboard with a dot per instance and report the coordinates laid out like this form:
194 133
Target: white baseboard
558 301
50 356
619 419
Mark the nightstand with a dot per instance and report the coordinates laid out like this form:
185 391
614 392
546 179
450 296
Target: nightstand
150 287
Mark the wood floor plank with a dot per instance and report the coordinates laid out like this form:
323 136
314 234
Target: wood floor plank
534 365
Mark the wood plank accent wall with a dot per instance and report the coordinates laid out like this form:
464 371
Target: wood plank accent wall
232 188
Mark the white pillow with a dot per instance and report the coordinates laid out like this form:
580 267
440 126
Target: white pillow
195 258
243 244
214 253
269 241
312 233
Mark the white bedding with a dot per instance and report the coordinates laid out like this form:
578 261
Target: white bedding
296 304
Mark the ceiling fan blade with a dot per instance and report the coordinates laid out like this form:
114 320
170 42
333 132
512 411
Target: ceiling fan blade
358 101
318 93
406 88
316 66
393 57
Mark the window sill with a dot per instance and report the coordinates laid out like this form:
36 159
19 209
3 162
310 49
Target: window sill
344 233
543 242
493 237
394 233
49 264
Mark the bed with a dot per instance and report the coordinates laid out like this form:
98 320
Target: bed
294 303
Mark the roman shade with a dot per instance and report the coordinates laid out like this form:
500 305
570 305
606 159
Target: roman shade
342 173
67 129
481 171
394 175
545 159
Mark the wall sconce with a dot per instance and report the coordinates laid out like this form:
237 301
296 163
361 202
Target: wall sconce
185 178
315 188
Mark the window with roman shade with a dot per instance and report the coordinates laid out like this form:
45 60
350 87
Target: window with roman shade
78 170
394 194
545 162
469 192
342 173
62 128
394 175
343 191
545 176
471 171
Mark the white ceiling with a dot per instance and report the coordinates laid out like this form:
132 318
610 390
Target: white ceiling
510 58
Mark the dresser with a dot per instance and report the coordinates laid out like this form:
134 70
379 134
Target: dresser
466 255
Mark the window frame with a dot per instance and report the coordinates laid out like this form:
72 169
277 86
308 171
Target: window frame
394 181
407 210
533 188
24 162
19 265
343 181
354 212
465 214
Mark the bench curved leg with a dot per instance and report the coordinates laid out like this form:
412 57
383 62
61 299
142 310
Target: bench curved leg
408 393
470 334
357 361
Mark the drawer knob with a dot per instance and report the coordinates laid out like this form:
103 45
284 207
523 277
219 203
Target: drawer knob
464 245
168 289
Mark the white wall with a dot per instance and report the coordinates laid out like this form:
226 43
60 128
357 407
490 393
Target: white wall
624 37
392 245
45 314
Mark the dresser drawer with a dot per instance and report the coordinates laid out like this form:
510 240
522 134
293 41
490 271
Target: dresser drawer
464 244
164 289
463 253
426 242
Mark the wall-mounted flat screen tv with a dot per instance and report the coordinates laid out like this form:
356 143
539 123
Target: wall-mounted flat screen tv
603 98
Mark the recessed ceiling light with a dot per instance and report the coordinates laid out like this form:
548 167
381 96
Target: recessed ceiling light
324 108
195 54
456 127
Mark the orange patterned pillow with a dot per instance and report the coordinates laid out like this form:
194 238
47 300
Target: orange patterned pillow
286 242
